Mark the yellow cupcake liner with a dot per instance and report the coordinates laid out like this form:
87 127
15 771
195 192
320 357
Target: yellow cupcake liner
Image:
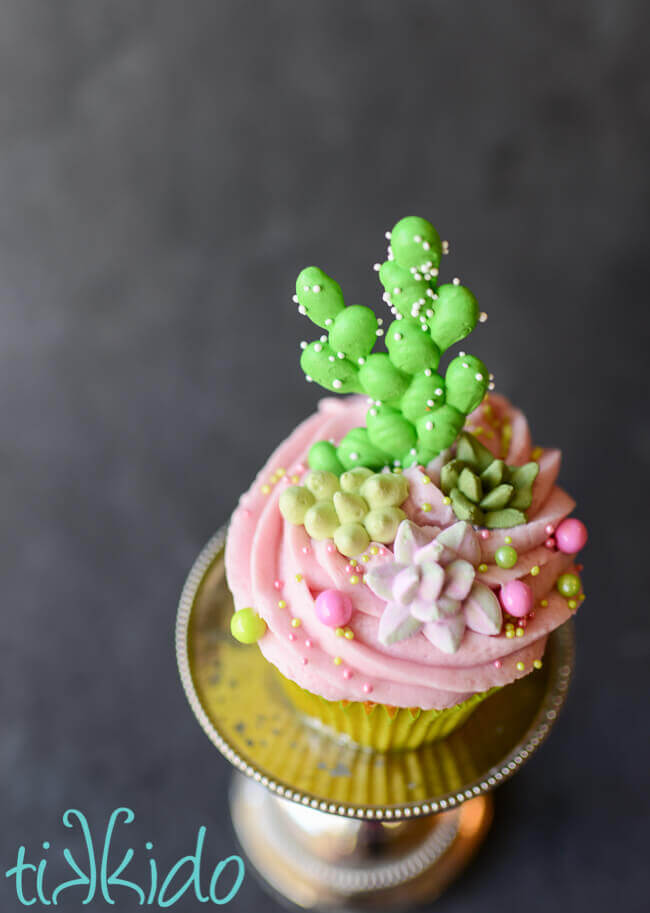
378 726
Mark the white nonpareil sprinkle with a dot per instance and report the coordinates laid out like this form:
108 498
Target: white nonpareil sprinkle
354 455
315 288
429 426
482 317
379 333
478 376
417 239
329 322
438 391
302 309
397 337
318 347
427 372
303 344
340 354
376 267
323 338
308 378
336 383
295 299
361 361
456 280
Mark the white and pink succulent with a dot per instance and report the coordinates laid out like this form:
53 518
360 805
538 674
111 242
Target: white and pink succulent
431 586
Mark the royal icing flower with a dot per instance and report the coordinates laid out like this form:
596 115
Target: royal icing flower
431 586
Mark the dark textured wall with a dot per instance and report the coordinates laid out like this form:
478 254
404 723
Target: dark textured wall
165 169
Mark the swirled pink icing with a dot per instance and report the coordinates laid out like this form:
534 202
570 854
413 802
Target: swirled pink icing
277 569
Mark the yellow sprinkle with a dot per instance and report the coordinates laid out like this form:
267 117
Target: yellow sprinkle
582 597
537 664
352 562
299 577
365 557
354 579
544 603
534 571
295 479
282 604
280 472
339 632
519 632
426 507
337 660
510 634
508 540
537 452
295 622
482 568
397 470
266 489
349 635
374 550
446 500
479 430
510 626
425 480
573 604
520 666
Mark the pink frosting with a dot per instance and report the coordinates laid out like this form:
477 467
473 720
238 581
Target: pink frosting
263 549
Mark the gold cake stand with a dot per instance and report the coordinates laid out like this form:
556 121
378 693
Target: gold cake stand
328 826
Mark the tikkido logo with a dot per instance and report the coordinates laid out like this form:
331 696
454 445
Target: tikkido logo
97 876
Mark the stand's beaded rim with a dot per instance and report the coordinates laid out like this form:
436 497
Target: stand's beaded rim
538 733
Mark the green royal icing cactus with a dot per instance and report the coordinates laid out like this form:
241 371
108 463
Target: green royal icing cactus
417 412
483 490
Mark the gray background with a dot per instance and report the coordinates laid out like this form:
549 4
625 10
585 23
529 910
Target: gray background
165 170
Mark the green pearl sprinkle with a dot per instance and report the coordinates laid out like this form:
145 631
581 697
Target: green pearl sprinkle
506 556
247 627
568 585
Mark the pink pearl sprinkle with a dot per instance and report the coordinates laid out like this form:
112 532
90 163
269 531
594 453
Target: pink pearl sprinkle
571 536
305 550
333 608
292 636
516 597
308 643
347 674
531 615
300 467
550 542
497 663
367 688
304 660
485 534
331 548
278 584
549 529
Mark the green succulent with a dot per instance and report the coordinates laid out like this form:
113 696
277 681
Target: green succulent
483 489
417 410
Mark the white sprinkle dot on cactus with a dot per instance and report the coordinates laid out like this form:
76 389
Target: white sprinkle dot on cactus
430 292
426 245
315 288
370 401
397 291
421 301
380 321
429 312
478 376
397 337
417 276
417 239
331 358
318 347
303 344
389 255
491 376
434 271
438 391
361 361
445 247
376 267
491 386
354 455
456 280
429 426
295 299
305 288
386 297
397 462
340 354
323 338
329 322
462 354
465 364
336 383
379 333
431 402
308 378
302 309
413 451
373 411
482 317
428 372
424 326
387 235
423 319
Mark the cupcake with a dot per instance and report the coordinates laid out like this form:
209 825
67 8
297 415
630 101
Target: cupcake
406 551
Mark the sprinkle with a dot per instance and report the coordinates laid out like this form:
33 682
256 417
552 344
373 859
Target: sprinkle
520 666
365 557
295 622
354 579
353 562
497 663
349 635
347 674
429 426
295 479
550 542
485 534
508 540
536 454
455 281
426 507
548 529
482 568
582 597
425 480
331 548
544 603
482 317
534 571
520 632
292 636
277 584
367 688
266 489
336 383
304 660
308 643
282 604
537 664
446 500
298 578
374 550
572 604
510 633
337 660
339 632
315 288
